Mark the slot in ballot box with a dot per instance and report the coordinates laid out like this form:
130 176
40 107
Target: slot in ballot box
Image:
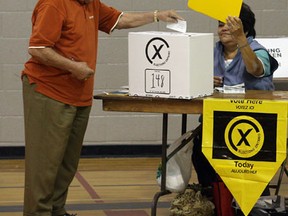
170 64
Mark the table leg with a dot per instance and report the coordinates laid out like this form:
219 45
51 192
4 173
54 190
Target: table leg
184 123
163 163
164 150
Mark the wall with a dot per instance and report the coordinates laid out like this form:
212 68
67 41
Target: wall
112 69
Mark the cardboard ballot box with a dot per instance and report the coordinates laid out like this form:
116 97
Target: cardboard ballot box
170 64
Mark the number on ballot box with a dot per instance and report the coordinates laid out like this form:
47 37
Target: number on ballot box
157 81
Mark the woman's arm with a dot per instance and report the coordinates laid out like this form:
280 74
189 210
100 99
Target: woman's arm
252 63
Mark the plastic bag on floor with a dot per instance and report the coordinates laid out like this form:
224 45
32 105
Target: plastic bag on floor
179 164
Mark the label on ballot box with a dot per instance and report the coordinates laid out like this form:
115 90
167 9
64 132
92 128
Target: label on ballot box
170 64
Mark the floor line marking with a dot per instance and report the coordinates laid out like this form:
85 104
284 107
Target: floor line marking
88 187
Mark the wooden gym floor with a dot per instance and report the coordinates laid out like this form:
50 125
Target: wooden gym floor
102 187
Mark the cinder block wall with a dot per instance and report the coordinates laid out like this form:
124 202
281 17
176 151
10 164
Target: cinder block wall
112 70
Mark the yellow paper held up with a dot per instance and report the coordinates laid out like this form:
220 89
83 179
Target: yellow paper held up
218 10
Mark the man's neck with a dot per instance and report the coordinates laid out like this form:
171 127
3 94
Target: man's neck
82 2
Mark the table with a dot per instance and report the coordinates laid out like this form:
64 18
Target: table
175 106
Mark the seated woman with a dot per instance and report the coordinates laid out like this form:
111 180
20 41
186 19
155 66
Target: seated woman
238 59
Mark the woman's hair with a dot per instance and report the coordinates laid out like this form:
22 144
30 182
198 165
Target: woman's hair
248 20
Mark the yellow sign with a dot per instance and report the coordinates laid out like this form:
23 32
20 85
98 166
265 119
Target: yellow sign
245 142
218 10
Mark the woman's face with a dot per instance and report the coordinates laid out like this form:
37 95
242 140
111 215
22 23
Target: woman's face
224 34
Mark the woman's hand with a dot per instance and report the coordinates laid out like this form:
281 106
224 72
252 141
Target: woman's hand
218 81
235 27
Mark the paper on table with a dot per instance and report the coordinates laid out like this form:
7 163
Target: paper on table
218 10
180 26
240 88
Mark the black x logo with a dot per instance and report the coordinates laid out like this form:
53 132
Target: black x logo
157 51
243 137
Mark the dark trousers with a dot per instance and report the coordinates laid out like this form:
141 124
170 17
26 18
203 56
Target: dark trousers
54 134
205 173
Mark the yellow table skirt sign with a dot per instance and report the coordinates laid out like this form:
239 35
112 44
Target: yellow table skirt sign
245 142
218 10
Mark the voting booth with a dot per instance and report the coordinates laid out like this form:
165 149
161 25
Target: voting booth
170 64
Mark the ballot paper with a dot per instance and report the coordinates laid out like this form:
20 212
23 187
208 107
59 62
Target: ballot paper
240 88
180 26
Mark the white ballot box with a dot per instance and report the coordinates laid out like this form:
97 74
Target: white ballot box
170 64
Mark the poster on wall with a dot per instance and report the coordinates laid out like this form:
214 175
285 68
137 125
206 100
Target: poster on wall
245 141
278 48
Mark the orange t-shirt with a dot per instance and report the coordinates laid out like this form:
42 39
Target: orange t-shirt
71 29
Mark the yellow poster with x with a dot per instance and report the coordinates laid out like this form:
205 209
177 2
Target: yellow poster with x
245 141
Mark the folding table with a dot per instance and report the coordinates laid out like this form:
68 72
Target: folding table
167 106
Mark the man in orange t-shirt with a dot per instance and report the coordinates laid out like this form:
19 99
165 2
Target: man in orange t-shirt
57 92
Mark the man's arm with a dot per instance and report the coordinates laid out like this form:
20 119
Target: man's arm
132 20
48 56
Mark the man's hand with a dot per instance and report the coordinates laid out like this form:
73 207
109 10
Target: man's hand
132 20
81 71
168 16
48 56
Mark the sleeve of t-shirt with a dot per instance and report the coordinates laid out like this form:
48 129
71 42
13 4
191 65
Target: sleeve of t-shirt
108 18
46 24
263 56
